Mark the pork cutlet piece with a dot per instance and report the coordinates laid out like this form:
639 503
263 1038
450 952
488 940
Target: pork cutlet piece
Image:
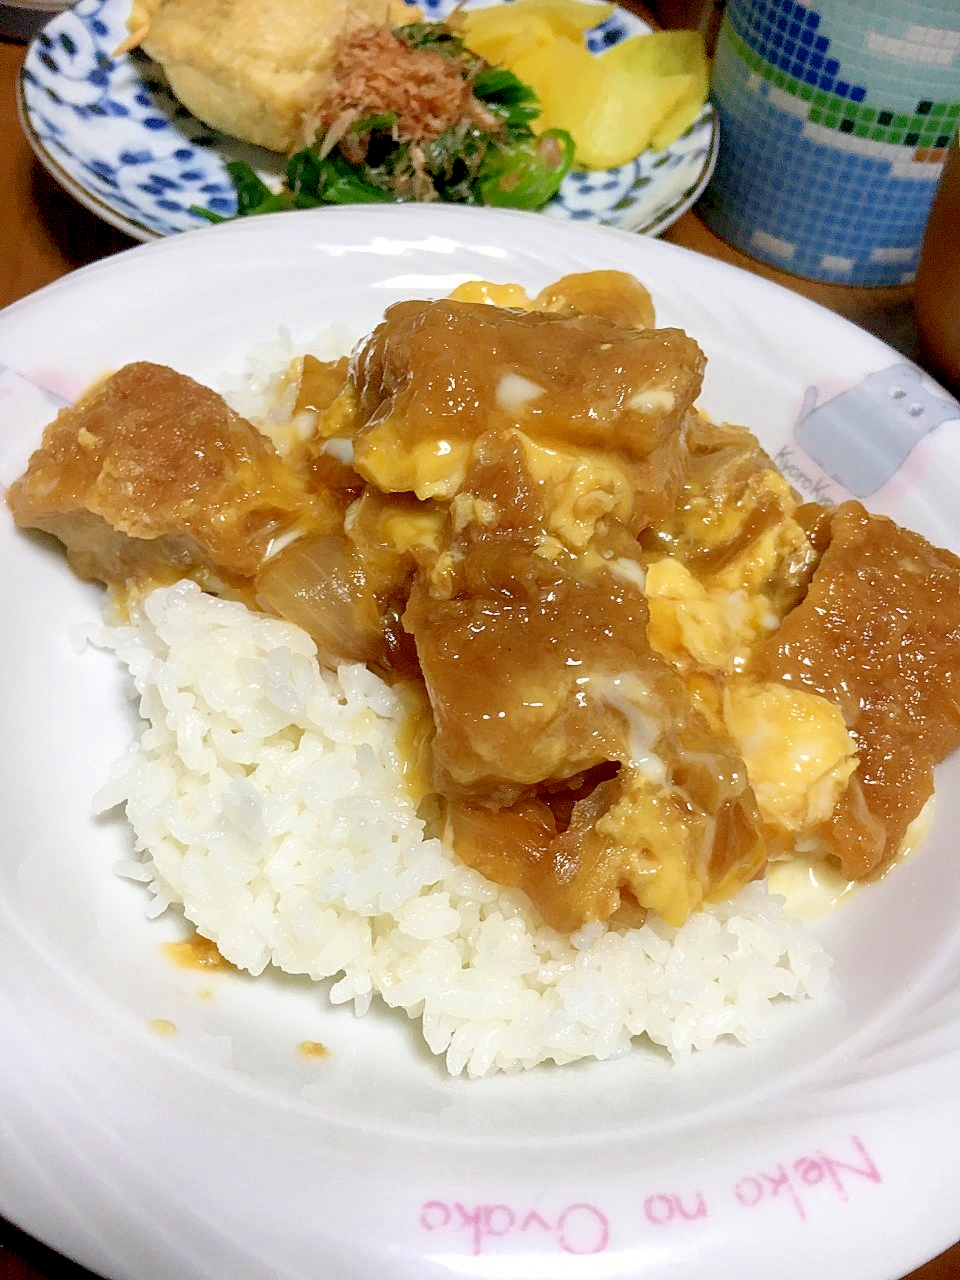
435 377
878 633
152 475
575 764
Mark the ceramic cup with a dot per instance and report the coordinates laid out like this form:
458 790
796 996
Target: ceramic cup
835 118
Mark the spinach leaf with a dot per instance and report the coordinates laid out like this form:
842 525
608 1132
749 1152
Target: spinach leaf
253 194
314 181
525 174
467 164
507 97
343 183
371 124
434 36
209 214
455 157
305 177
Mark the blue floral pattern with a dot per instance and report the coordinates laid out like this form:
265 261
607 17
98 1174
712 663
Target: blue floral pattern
111 132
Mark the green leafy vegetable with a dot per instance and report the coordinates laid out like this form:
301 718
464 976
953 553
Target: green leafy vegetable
371 124
471 162
253 194
515 102
330 180
209 214
438 38
528 173
305 178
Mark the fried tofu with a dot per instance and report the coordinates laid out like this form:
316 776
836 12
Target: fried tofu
248 69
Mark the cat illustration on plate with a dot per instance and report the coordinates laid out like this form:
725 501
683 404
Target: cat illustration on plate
863 436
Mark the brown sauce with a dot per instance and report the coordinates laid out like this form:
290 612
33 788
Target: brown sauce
312 1049
162 1027
486 495
321 381
196 952
878 633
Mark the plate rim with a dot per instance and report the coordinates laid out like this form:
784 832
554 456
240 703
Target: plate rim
172 244
89 200
652 227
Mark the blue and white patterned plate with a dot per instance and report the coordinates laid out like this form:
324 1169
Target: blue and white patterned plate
111 133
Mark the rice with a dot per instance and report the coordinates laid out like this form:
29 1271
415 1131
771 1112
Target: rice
265 390
267 798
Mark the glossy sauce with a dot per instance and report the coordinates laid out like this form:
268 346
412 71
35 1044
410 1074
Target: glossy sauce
196 952
814 886
878 634
601 607
162 1027
312 1049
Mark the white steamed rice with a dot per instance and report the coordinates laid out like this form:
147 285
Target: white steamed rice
267 798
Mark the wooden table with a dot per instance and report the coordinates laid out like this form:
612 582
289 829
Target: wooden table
44 234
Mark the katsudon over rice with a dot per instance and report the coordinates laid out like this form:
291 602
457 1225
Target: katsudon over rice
482 672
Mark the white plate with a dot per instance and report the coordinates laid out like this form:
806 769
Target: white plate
111 133
829 1149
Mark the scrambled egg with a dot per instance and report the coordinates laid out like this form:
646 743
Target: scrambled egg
431 468
644 669
707 628
706 616
580 487
798 751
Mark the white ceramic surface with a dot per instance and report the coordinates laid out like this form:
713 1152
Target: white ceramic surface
828 1150
110 132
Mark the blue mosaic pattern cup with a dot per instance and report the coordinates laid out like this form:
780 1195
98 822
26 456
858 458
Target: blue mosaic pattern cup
835 119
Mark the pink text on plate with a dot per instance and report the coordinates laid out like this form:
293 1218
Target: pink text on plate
585 1228
577 1228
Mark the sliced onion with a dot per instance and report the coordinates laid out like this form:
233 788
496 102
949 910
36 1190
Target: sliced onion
318 582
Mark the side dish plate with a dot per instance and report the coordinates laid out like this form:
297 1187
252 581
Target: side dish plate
110 132
160 1121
